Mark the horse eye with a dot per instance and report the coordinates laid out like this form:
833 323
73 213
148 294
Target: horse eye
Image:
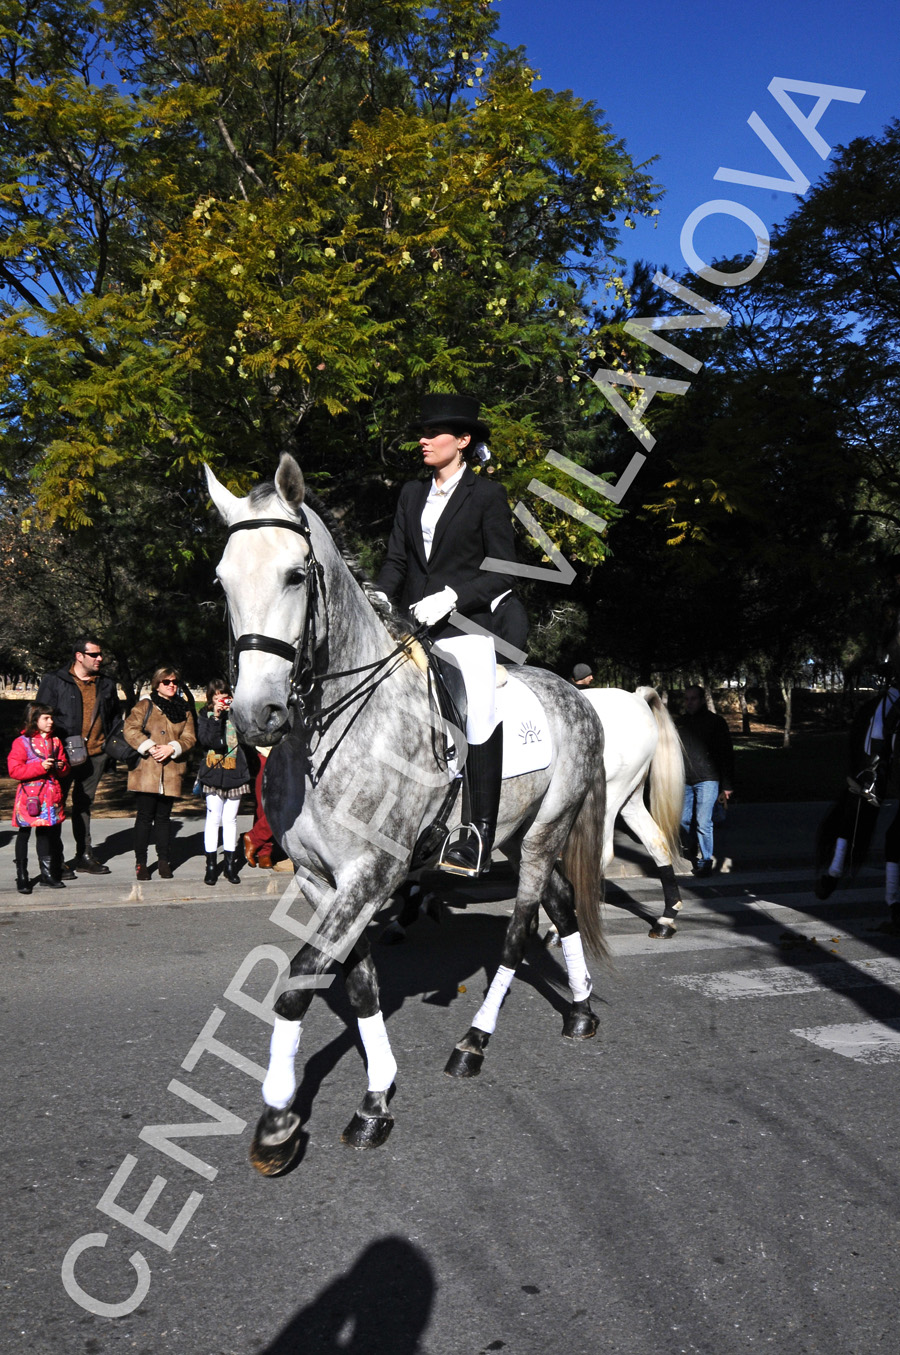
295 578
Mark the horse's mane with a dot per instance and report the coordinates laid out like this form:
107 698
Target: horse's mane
261 496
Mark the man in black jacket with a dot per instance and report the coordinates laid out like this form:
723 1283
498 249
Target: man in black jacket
708 771
83 702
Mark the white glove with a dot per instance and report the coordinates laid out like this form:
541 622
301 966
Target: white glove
435 607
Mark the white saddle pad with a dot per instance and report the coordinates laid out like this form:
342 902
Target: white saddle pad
527 746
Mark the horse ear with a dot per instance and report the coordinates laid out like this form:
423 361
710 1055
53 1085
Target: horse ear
226 503
289 482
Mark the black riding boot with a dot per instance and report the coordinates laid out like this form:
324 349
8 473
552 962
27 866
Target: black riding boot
484 769
231 871
45 859
210 876
23 881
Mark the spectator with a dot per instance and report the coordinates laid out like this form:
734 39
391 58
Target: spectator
37 760
85 707
162 729
708 771
259 843
224 776
582 675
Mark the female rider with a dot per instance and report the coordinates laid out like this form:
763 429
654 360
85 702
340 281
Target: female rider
444 528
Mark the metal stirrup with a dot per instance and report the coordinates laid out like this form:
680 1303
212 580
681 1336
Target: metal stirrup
451 867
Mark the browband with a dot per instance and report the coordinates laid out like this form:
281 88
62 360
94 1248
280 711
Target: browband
303 529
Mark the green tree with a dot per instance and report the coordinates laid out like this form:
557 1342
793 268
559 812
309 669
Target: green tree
228 227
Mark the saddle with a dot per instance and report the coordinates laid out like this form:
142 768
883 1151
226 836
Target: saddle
449 687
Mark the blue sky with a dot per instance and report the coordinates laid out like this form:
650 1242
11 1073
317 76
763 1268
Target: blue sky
680 80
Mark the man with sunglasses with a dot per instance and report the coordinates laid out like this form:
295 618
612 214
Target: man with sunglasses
84 701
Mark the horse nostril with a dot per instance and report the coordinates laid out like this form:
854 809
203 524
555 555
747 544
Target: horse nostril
275 718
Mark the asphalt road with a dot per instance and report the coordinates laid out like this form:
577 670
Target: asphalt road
716 1172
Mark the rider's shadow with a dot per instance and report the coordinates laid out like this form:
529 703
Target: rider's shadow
383 1304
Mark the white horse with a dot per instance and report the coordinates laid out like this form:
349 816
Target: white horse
640 741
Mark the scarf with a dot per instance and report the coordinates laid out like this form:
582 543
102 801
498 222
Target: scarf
228 759
174 708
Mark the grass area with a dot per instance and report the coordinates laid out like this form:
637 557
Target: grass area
813 767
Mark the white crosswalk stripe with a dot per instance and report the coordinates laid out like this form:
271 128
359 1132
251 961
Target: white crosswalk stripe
786 924
865 1041
741 983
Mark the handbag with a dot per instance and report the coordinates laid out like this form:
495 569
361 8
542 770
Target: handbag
76 745
117 746
76 750
33 806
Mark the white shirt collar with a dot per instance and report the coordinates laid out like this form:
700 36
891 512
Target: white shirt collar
446 489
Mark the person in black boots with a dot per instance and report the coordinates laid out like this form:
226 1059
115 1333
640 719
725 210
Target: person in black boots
444 528
85 709
37 760
162 729
224 776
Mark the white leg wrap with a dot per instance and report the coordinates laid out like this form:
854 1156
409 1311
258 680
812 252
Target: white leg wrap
840 856
486 1016
579 978
380 1061
280 1084
891 882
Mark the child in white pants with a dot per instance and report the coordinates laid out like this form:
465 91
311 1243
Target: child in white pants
224 776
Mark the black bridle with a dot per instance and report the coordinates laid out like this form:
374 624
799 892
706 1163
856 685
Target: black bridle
304 677
301 657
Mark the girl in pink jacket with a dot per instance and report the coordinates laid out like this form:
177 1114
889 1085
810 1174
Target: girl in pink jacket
37 760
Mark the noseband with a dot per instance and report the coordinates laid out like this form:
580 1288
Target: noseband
301 658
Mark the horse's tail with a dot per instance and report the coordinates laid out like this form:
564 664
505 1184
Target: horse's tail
666 774
582 863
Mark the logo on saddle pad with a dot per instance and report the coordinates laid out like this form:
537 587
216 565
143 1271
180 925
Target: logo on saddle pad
529 733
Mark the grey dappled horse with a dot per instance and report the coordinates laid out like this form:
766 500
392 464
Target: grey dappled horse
356 775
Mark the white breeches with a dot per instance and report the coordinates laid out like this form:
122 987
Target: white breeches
476 659
220 813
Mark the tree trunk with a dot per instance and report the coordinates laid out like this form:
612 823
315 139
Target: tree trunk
745 710
787 691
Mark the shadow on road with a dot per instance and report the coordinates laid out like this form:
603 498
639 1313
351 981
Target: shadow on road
381 1305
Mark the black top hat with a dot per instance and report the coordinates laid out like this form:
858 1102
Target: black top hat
459 411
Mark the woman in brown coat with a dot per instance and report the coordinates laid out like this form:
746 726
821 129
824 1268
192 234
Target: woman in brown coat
162 729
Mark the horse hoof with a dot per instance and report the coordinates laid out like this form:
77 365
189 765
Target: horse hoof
662 931
464 1063
367 1131
276 1142
580 1024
